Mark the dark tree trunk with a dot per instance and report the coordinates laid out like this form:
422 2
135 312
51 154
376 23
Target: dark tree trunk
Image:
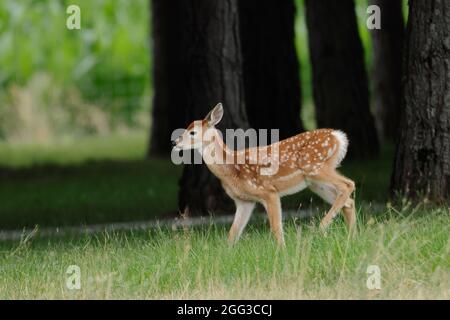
271 67
211 72
387 62
422 163
339 77
166 115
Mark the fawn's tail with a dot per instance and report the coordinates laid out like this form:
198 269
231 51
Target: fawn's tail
342 139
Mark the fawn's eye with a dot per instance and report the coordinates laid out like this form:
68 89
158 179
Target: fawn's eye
192 133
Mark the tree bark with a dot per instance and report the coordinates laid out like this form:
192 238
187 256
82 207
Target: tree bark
340 85
387 61
210 72
422 162
271 67
167 114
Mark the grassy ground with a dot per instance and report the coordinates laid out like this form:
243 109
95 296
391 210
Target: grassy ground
411 251
76 182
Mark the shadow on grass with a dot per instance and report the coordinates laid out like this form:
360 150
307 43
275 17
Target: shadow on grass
93 192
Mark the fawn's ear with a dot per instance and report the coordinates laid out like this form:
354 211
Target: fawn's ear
215 115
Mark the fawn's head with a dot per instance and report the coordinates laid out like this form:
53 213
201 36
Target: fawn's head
200 132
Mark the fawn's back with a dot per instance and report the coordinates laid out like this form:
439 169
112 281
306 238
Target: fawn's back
295 160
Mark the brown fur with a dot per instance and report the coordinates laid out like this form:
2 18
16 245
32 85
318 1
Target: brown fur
308 159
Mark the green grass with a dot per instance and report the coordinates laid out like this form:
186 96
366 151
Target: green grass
412 252
90 193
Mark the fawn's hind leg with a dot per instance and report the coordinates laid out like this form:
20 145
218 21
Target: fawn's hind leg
336 190
349 212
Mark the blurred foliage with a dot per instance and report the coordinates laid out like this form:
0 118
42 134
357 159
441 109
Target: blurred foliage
104 65
56 82
112 44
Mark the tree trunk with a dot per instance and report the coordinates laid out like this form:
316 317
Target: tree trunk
270 64
166 82
210 72
422 163
387 61
339 77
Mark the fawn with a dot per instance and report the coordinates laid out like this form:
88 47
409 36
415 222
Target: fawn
306 160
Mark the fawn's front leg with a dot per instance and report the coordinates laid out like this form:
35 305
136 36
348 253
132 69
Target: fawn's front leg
243 212
272 204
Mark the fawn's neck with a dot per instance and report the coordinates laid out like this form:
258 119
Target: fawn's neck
218 157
